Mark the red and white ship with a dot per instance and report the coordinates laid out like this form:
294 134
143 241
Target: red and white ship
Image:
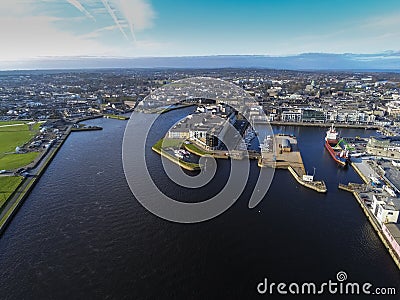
333 145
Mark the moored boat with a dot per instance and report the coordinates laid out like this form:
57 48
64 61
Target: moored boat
338 152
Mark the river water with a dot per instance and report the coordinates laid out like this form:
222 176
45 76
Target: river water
81 234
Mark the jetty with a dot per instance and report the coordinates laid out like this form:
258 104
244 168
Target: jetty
284 153
117 117
357 189
174 143
86 128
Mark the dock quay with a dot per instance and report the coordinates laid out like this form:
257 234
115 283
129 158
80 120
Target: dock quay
35 171
356 189
338 125
358 171
84 128
364 170
158 148
283 153
287 156
352 187
117 117
21 193
318 186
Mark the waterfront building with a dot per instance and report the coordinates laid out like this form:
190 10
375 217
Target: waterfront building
178 132
341 117
291 116
212 141
313 115
203 130
376 200
199 134
349 116
392 233
331 116
385 209
384 146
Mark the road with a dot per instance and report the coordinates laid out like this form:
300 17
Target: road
12 204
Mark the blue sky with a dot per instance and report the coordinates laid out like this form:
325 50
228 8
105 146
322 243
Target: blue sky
135 28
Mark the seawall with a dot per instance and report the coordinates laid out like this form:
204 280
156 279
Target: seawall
27 186
175 160
338 125
374 224
318 186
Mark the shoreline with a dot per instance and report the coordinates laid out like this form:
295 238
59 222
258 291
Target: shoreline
19 196
370 217
175 160
93 128
318 186
324 125
116 117
22 192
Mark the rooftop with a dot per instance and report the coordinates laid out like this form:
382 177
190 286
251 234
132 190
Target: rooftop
391 204
394 230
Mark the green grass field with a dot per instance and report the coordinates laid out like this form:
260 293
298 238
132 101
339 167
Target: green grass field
7 186
193 148
176 144
12 137
15 161
166 143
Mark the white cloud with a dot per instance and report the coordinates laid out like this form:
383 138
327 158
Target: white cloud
138 13
31 37
14 8
97 33
30 30
80 7
113 15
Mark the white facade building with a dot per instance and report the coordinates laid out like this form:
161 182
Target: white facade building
386 210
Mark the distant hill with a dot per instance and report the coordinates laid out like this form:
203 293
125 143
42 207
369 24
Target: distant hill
388 60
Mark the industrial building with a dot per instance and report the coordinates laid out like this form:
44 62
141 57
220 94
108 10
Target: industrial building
386 210
384 146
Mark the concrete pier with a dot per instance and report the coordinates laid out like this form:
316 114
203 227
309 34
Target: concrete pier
22 192
283 154
287 156
318 186
355 189
337 125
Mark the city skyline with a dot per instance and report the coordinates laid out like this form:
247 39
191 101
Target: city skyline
142 28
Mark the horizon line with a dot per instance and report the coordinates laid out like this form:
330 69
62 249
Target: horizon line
385 52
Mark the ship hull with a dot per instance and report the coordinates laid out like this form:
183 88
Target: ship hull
339 160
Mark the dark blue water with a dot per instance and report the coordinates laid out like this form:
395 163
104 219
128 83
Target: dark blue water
81 234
